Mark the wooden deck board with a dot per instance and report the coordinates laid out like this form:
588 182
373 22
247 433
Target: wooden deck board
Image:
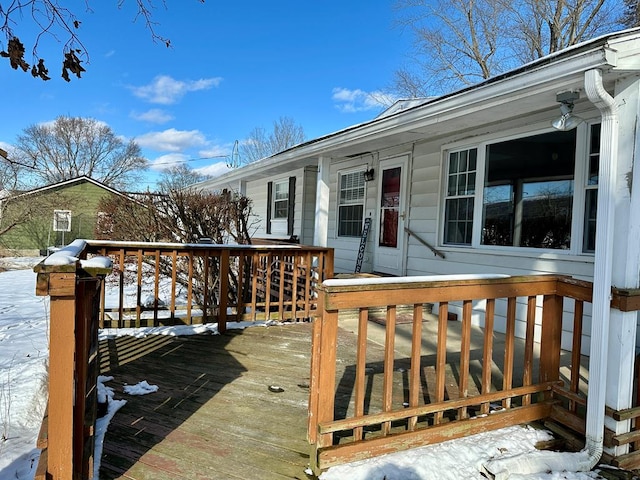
213 415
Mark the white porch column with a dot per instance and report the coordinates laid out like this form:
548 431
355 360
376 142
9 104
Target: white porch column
242 187
626 258
320 232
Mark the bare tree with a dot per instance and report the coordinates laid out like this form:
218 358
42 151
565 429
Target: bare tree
9 174
71 147
461 42
261 144
179 177
52 18
183 216
631 15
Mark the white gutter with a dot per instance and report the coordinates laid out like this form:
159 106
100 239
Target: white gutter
542 461
603 263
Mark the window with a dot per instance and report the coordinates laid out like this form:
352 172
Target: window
62 220
350 204
280 206
528 191
523 192
591 198
461 181
281 200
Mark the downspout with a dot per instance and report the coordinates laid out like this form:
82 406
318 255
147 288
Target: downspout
602 265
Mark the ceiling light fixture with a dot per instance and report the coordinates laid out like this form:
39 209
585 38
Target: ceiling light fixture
567 120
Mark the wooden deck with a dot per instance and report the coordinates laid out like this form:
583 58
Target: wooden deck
213 416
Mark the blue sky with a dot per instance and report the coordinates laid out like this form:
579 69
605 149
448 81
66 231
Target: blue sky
233 66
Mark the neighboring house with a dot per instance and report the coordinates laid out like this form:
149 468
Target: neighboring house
50 216
483 177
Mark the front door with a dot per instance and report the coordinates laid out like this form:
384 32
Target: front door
390 235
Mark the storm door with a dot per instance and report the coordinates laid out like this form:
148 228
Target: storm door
390 235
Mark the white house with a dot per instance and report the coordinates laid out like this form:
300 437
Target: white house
491 179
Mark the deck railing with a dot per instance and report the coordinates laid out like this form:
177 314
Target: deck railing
166 284
156 284
465 385
424 402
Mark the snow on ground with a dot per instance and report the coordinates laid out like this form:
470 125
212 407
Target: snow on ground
24 329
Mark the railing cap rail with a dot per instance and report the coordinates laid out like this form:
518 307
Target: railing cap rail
93 244
410 282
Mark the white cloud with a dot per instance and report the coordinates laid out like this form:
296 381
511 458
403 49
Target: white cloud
164 162
214 170
155 115
172 140
166 90
214 151
350 101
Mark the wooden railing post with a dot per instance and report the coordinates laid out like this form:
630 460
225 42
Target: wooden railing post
323 377
61 288
74 291
550 341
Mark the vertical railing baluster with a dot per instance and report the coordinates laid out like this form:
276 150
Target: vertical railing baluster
223 298
205 260
282 284
389 357
361 364
441 357
527 376
487 351
576 349
121 277
140 254
509 349
465 355
267 286
189 288
308 273
174 285
296 259
156 288
240 259
416 355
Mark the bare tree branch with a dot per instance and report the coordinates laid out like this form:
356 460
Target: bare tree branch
53 19
461 42
260 144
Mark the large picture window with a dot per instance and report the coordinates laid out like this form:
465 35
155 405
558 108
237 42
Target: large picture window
350 203
525 192
528 191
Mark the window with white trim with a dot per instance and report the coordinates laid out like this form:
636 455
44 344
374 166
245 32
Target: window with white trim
350 203
459 201
280 199
591 190
62 220
521 192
